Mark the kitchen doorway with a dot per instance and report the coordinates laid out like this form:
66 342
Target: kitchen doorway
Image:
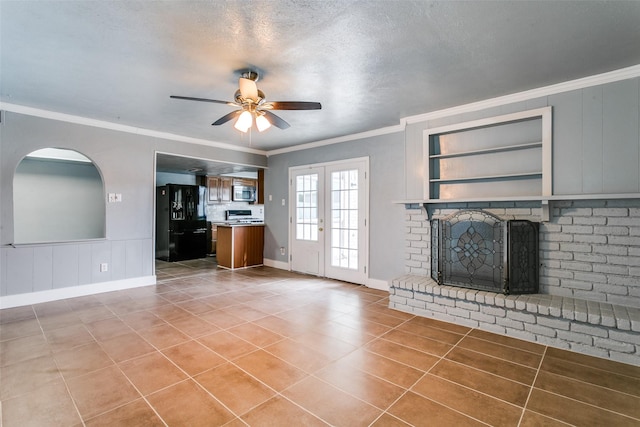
328 233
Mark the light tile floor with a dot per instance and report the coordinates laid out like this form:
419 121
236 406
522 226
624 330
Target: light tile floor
264 347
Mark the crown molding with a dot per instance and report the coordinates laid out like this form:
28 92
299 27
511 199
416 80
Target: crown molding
46 114
346 138
598 79
595 80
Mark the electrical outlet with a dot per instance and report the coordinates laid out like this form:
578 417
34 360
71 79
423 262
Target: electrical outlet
104 267
118 197
284 202
282 250
112 197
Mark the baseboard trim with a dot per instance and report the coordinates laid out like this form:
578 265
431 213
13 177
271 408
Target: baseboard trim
276 264
381 285
19 300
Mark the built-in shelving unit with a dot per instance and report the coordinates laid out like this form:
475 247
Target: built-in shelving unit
494 159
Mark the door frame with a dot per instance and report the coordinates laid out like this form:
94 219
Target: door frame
364 209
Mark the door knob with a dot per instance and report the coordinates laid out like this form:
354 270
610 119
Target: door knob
320 228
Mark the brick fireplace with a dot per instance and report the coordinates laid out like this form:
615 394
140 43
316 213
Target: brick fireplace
589 278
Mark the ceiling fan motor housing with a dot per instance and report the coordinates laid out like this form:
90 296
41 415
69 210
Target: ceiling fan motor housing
251 75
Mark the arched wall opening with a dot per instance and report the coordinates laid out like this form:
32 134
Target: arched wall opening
58 196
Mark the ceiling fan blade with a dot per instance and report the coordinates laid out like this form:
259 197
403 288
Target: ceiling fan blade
215 101
275 120
291 105
248 89
224 119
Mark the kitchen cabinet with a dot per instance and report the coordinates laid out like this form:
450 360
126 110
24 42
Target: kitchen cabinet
214 238
244 181
240 245
219 189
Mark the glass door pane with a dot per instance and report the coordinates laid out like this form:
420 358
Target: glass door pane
307 207
344 219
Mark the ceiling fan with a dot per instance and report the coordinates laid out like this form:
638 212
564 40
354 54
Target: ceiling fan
253 106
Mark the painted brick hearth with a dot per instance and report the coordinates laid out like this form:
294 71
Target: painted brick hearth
589 297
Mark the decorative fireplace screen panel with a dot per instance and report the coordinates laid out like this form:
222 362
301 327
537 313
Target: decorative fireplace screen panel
477 250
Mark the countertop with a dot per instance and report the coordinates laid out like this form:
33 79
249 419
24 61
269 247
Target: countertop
238 224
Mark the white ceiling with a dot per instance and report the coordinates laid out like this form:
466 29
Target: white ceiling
370 63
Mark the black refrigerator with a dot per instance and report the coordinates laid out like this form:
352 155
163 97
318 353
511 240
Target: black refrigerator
181 225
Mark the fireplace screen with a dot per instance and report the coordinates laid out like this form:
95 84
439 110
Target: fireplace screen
477 250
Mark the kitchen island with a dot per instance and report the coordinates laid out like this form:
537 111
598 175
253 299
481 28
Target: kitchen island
240 245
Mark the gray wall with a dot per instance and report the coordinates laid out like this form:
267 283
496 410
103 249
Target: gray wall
596 139
386 219
126 162
596 136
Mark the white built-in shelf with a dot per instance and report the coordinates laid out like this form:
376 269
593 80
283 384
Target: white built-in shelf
487 150
499 158
525 198
489 177
555 198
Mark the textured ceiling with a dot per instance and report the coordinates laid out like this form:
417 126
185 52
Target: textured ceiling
370 63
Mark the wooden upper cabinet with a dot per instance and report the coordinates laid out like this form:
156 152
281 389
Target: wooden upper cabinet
244 181
219 189
212 189
225 189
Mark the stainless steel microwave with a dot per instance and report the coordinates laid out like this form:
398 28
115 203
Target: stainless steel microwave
244 193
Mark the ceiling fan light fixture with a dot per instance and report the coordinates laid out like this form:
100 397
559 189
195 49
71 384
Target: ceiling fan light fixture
244 122
251 104
262 123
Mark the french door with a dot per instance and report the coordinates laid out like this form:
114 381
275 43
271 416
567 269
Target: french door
328 222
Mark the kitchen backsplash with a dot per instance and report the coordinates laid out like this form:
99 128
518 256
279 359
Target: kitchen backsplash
215 212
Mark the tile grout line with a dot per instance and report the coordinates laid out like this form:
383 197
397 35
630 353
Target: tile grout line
308 375
408 389
467 334
116 364
233 363
196 283
443 357
535 378
64 380
158 350
587 403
